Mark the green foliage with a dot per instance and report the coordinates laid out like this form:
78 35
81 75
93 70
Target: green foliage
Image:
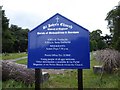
7 39
14 39
20 35
96 41
107 38
93 45
0 29
113 18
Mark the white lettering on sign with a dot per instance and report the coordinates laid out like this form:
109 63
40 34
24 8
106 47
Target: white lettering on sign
59 32
53 26
66 25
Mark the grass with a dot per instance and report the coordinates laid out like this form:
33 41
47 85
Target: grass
93 80
0 84
69 79
0 56
9 56
23 61
14 84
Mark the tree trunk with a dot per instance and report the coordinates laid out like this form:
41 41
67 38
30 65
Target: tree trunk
19 72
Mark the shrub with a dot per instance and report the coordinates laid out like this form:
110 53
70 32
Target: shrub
109 58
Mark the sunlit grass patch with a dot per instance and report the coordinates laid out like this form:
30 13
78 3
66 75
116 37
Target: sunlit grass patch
8 56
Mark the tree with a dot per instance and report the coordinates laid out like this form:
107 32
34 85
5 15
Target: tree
96 40
14 39
20 36
7 39
113 18
20 72
93 45
107 39
0 29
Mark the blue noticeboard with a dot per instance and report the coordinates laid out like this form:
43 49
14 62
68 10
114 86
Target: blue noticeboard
58 43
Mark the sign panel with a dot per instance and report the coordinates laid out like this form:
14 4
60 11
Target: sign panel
58 43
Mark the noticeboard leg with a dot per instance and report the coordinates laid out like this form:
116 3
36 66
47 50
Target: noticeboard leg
80 79
38 79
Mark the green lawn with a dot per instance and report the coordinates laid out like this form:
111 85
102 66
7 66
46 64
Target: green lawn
0 56
69 79
66 80
23 61
0 85
8 56
92 80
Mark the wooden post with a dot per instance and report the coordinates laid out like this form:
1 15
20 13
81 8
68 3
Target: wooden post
38 79
80 79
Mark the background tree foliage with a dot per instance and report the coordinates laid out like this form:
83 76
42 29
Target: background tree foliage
14 38
20 38
7 39
97 41
0 29
113 18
